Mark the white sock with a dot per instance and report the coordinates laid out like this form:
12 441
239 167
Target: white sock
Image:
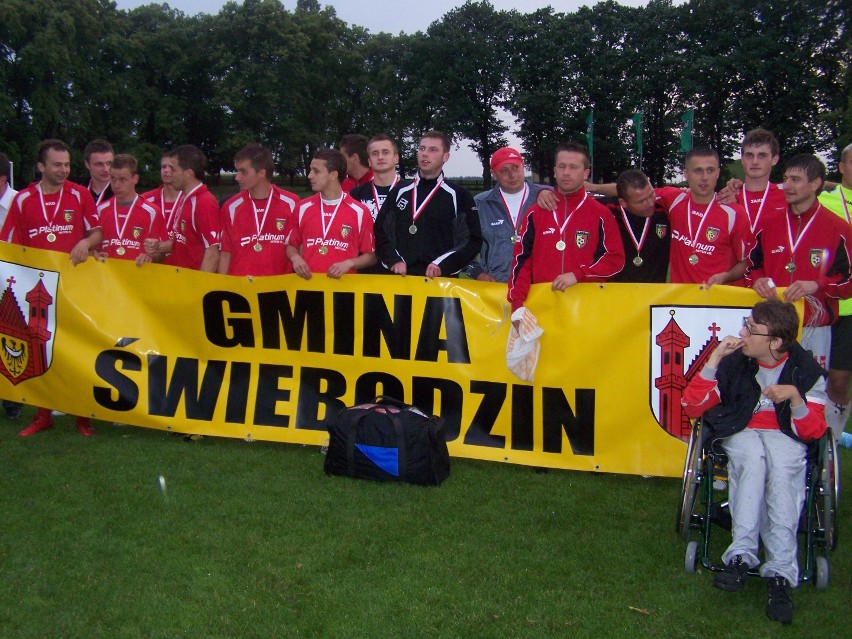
836 416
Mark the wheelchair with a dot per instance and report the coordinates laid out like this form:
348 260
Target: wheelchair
703 507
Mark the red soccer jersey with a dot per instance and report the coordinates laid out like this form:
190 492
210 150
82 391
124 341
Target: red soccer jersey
581 236
167 209
55 222
350 182
706 239
330 233
762 207
255 232
814 246
196 228
125 228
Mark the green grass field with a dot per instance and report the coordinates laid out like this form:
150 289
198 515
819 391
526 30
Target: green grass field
253 540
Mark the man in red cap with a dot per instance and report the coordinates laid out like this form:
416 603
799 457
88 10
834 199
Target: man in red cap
501 210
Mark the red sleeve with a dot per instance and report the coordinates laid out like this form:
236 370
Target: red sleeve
612 261
741 237
367 238
158 227
10 231
699 395
226 242
666 195
811 426
90 214
520 275
207 222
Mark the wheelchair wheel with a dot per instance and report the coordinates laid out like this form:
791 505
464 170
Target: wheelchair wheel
822 573
691 560
826 502
691 478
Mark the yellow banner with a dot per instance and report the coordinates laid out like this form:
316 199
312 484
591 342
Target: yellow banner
268 358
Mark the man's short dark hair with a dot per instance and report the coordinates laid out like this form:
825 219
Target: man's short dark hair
759 137
189 156
50 145
781 320
5 167
846 151
352 143
259 157
381 137
630 179
808 164
334 161
97 146
701 152
443 137
575 147
125 161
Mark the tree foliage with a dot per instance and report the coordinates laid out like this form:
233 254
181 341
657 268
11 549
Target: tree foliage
151 78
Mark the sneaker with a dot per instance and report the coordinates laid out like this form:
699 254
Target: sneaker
84 427
779 606
733 577
40 423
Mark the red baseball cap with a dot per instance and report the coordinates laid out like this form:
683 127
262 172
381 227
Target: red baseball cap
506 155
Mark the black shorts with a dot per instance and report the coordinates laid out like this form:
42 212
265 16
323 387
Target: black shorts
841 344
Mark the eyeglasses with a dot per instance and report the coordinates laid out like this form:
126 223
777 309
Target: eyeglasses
750 330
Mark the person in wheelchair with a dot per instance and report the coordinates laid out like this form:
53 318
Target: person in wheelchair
763 396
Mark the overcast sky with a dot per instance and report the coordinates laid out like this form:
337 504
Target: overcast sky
395 16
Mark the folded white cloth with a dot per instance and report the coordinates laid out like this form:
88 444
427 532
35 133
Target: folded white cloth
523 347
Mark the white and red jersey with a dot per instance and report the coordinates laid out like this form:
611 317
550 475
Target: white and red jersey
125 228
196 228
331 233
167 208
55 221
255 232
580 236
706 238
762 207
814 246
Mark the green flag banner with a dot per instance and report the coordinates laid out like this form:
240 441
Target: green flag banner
590 126
637 122
688 119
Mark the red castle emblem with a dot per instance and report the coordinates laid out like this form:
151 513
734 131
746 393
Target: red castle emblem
24 342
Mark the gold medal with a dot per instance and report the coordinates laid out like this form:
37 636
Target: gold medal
790 268
516 239
51 237
412 229
693 259
560 245
638 261
258 248
323 250
121 250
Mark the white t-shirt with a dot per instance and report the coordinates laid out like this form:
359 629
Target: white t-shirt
6 202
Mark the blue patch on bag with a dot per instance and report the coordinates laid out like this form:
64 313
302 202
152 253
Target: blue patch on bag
385 458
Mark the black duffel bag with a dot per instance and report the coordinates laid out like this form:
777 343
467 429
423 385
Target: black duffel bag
388 441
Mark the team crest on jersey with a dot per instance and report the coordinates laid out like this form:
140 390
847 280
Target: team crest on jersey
26 337
279 224
402 203
661 229
137 232
681 340
581 238
816 256
68 215
712 233
345 230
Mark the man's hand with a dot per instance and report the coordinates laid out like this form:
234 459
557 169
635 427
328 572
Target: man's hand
485 277
797 290
546 199
337 270
80 252
400 268
725 348
300 267
765 287
718 278
563 281
728 195
782 392
143 258
152 246
433 270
